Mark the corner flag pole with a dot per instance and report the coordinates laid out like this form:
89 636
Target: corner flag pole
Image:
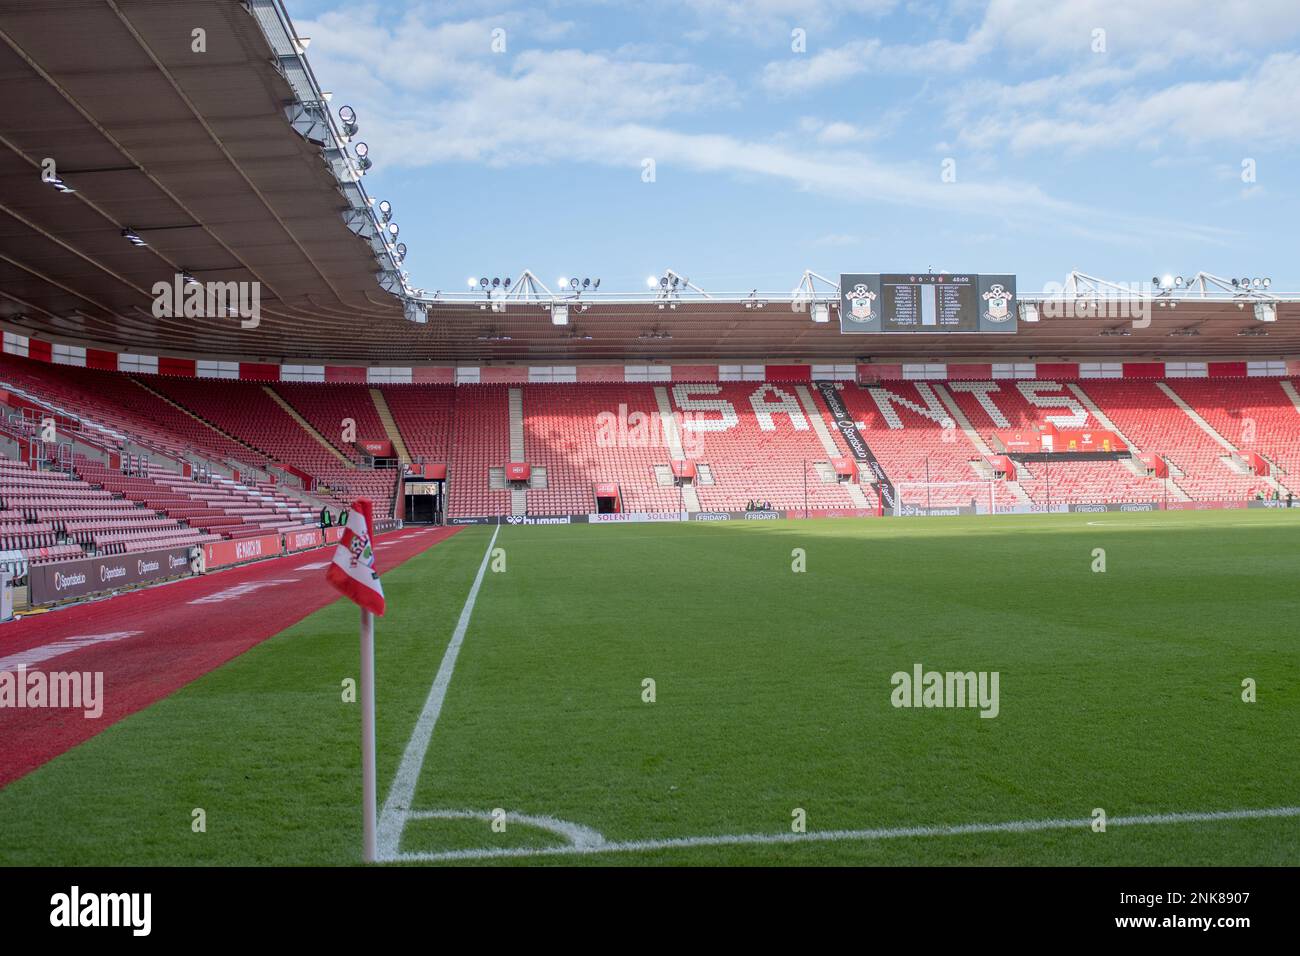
353 573
368 790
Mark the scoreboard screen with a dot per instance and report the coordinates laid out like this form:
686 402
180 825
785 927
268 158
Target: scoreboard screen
927 302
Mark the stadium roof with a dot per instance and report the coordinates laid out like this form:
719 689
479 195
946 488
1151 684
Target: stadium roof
194 152
229 167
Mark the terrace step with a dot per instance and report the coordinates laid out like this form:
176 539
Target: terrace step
690 500
814 413
198 418
390 425
309 428
1215 437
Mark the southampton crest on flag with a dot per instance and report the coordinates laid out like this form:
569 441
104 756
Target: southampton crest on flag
353 570
998 301
860 302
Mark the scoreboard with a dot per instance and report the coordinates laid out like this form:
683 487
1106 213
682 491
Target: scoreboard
927 302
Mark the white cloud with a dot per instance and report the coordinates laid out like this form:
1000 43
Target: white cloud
1139 37
438 94
1257 105
802 73
840 133
772 20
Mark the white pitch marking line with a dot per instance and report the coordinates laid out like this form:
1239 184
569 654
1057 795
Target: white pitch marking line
392 818
44 652
829 836
578 836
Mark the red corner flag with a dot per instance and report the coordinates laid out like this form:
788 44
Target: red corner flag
353 569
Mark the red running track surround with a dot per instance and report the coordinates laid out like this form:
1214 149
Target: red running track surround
176 640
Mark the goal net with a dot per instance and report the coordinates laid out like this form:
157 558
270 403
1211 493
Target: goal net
976 496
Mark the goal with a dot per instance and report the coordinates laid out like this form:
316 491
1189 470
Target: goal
975 496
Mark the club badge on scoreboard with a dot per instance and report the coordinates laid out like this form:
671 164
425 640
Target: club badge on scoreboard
997 303
861 301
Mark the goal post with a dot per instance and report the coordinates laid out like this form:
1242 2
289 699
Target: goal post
975 496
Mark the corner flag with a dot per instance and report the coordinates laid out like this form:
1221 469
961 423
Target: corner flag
353 572
353 569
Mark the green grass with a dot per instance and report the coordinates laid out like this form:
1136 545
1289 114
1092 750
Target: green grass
1119 690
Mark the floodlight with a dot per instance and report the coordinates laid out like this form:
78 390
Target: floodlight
393 229
483 282
1167 281
573 283
496 282
472 281
386 210
401 250
562 281
348 117
651 281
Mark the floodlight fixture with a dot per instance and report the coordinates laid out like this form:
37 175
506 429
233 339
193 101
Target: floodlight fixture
348 117
363 156
386 210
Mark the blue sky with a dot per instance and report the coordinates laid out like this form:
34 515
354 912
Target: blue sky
1124 138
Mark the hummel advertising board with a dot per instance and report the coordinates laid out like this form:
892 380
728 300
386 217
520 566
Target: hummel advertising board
927 302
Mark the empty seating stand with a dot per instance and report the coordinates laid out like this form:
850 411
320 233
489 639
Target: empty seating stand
573 431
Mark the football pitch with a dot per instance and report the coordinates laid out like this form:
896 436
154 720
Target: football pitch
1025 690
